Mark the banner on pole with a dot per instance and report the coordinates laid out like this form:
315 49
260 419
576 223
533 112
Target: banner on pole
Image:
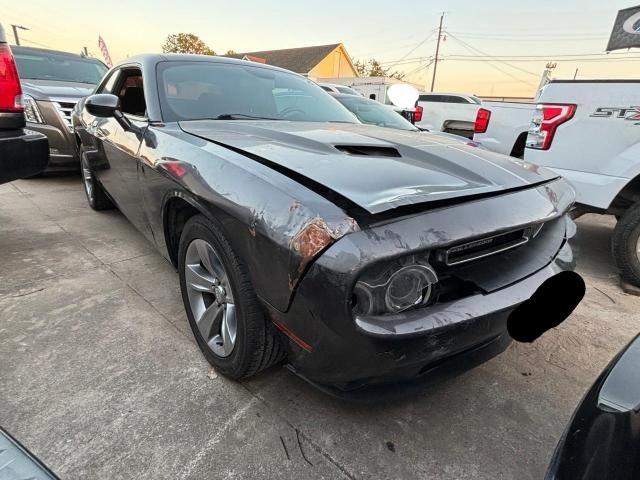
626 30
105 52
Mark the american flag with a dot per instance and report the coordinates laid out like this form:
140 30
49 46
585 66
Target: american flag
105 51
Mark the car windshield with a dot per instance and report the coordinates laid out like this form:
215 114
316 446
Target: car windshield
347 91
374 113
227 91
41 65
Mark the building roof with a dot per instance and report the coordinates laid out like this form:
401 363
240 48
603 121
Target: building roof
299 60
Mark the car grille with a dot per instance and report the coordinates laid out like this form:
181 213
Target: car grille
484 247
64 110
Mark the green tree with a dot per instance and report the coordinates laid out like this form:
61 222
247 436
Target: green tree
186 43
230 52
373 68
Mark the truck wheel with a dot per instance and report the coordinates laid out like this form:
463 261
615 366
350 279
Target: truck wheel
626 245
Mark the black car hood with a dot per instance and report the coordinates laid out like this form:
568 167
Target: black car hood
427 167
55 90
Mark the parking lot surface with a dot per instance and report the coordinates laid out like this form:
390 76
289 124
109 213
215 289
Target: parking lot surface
102 379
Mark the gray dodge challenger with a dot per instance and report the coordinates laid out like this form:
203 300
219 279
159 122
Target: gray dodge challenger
359 256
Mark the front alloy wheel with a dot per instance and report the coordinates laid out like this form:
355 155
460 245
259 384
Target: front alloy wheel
223 310
210 297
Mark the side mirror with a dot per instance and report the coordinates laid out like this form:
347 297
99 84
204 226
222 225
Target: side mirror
102 105
105 105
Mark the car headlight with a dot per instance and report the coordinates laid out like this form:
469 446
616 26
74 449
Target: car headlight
395 287
31 111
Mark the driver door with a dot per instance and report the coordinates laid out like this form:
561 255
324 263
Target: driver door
120 146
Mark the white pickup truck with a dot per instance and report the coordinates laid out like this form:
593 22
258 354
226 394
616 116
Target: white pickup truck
503 126
448 112
588 131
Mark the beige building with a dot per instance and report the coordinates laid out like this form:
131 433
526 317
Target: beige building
321 61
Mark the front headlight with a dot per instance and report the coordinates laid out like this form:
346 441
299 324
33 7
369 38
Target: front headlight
31 111
395 287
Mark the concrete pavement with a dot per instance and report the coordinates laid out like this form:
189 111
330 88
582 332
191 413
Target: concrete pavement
102 379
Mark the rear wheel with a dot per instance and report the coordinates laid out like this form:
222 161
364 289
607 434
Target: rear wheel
224 313
96 196
626 245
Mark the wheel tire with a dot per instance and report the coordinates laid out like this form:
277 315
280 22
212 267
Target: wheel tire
96 196
257 343
626 245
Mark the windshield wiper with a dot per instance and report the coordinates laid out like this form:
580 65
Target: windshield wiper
242 116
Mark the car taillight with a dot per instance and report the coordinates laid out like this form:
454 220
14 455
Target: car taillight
546 119
417 116
10 89
482 121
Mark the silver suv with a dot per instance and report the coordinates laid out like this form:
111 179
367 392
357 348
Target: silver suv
52 84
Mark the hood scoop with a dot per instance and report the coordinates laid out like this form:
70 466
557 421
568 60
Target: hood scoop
368 170
369 150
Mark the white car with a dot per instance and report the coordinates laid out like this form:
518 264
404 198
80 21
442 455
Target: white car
588 131
335 88
448 112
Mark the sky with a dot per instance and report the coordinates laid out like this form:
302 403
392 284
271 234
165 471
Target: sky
491 47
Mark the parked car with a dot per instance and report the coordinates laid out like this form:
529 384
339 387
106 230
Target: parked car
53 82
363 255
589 132
602 440
371 112
16 462
503 126
448 112
334 88
22 152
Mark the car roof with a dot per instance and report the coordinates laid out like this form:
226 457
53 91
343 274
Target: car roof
447 93
23 49
149 59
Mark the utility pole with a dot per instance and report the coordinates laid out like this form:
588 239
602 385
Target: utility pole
575 74
435 63
15 32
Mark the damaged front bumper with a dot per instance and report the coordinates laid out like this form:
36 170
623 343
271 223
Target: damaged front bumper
343 353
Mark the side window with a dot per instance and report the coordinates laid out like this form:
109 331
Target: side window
131 94
455 99
108 86
431 98
327 89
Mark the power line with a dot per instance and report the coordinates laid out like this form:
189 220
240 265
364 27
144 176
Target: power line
538 35
539 60
518 58
476 50
488 62
560 55
414 48
35 43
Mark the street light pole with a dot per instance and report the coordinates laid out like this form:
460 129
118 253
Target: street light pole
435 63
15 32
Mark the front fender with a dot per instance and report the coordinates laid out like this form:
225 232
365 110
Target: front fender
277 226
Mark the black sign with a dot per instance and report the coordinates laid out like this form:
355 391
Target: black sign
626 30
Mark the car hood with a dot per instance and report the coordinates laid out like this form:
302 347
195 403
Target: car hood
353 160
54 90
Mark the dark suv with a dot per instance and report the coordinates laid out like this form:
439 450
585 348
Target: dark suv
52 84
22 152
